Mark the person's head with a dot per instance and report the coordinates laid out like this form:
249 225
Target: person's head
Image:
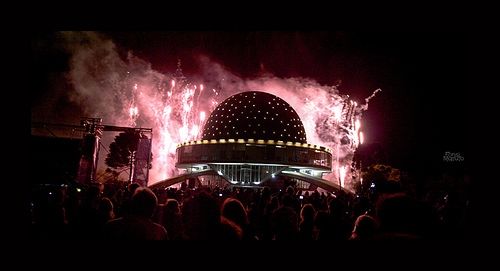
201 217
233 210
172 207
132 187
288 200
397 213
335 206
307 213
143 202
364 227
106 208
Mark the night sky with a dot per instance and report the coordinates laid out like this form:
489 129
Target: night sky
420 113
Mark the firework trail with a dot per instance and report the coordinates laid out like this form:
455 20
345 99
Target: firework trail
128 92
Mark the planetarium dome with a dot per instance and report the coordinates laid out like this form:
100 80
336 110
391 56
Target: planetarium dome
252 139
254 114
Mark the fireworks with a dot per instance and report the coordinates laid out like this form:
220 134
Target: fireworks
330 120
134 112
342 174
124 92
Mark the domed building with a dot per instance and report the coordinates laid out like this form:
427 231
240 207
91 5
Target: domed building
253 139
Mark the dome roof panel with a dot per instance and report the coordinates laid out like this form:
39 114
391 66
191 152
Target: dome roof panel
257 115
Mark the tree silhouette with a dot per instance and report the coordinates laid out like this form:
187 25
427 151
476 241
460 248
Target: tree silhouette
384 177
121 148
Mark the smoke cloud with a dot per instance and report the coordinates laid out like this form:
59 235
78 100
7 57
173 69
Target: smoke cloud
110 85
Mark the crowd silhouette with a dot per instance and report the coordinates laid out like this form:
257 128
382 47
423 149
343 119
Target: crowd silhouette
117 211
